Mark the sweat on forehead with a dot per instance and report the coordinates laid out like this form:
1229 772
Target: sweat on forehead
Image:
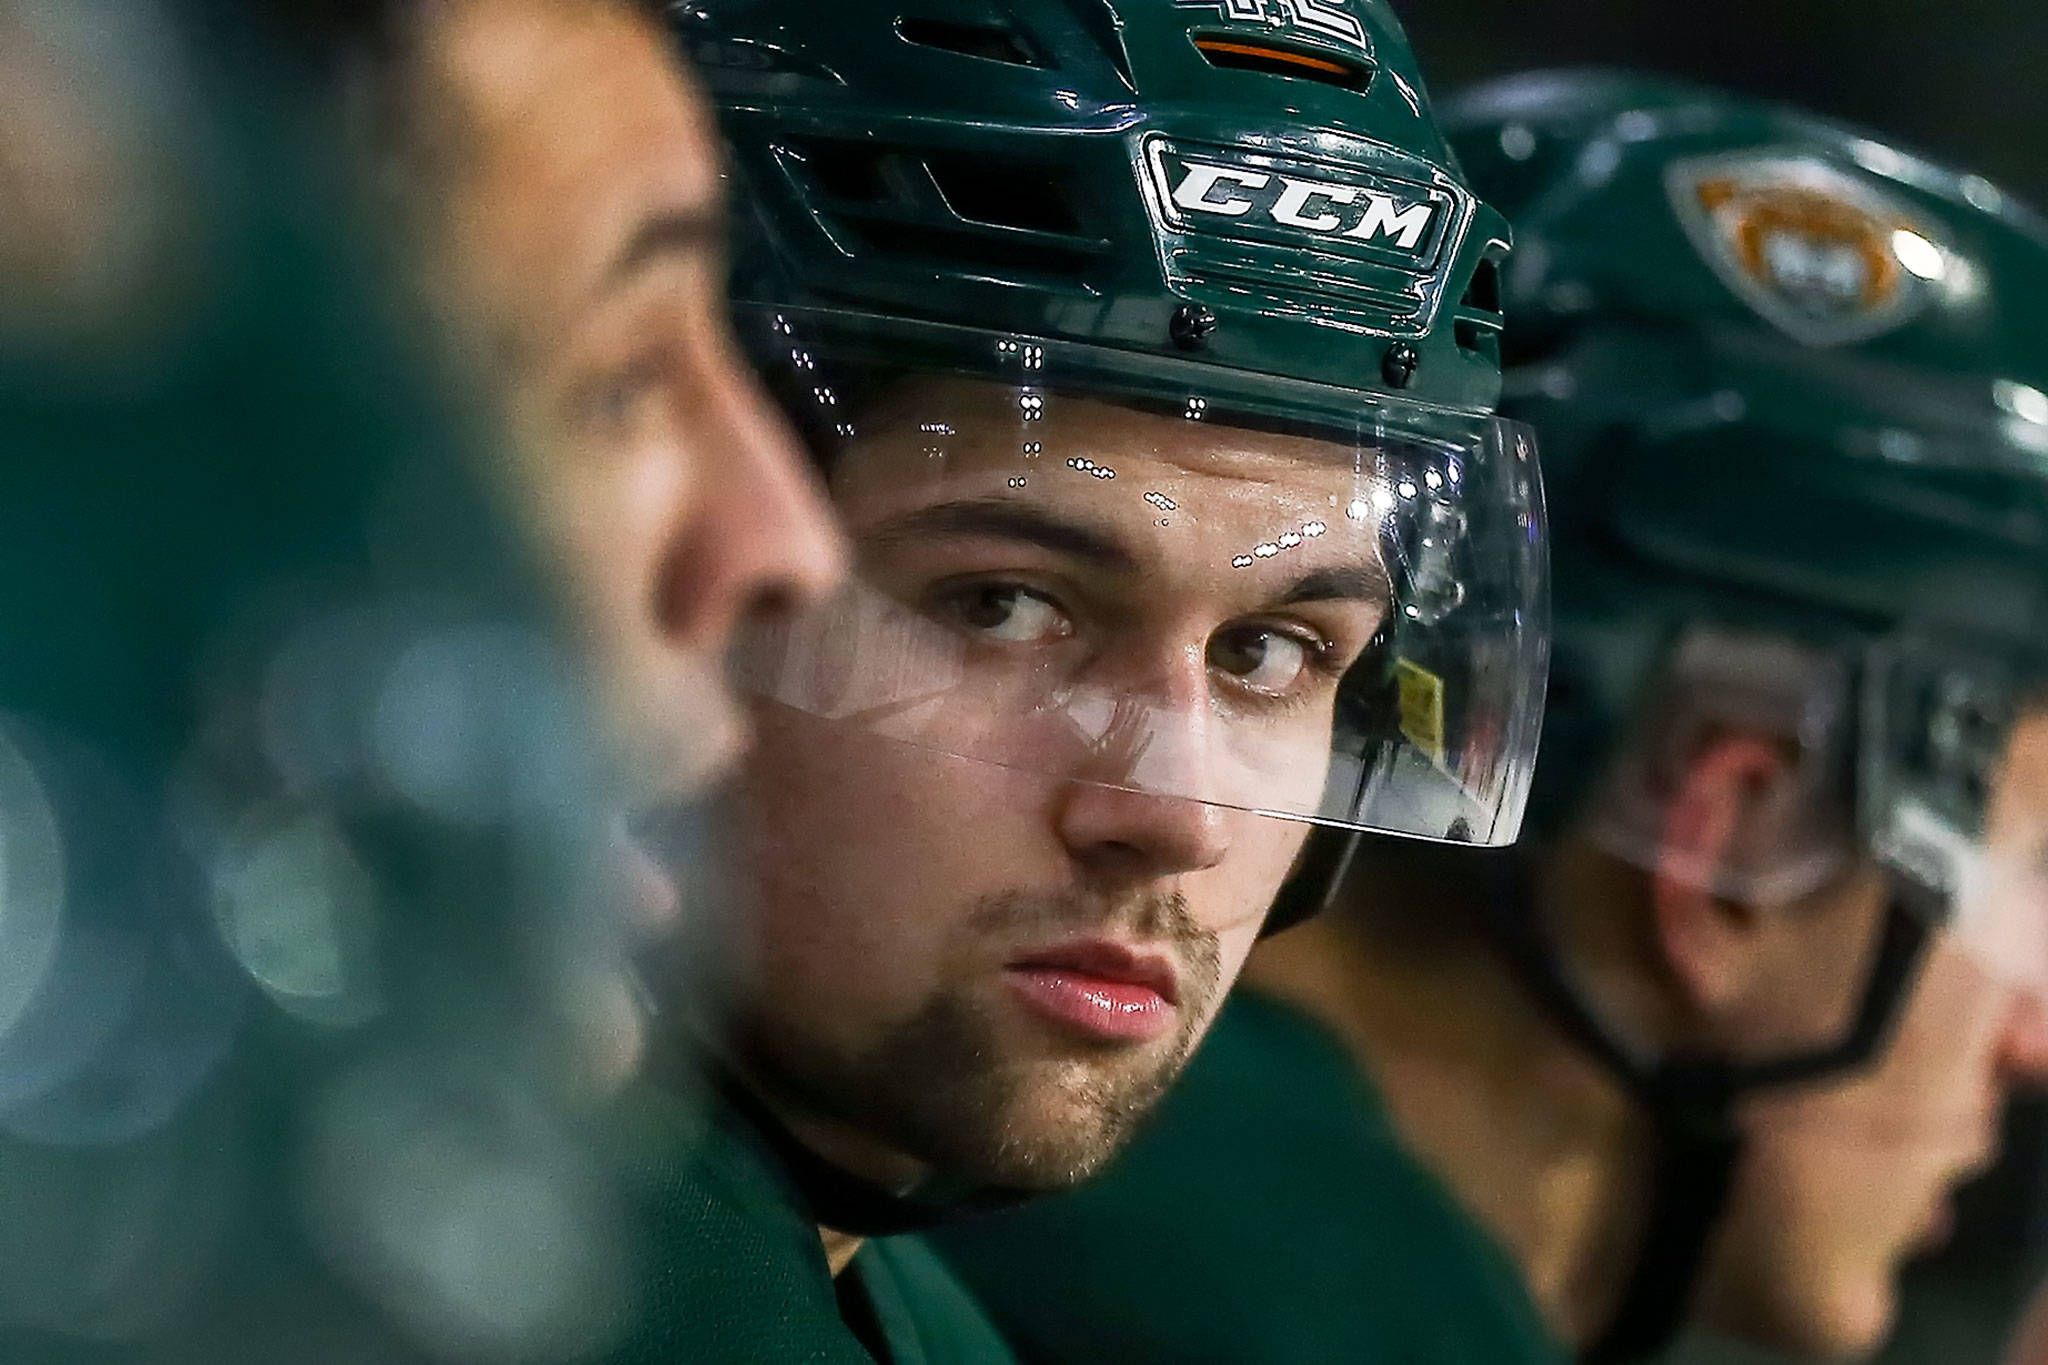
1130 493
927 427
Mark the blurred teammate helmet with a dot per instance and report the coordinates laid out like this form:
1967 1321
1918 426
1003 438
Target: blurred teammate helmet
1192 292
1793 386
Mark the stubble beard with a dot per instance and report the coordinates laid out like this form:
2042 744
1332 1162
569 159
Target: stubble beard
937 1086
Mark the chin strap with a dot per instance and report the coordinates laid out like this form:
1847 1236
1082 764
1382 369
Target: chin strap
1698 1146
1690 1101
1313 881
840 1200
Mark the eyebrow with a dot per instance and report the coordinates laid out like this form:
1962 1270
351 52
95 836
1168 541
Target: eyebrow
1362 582
1006 520
669 233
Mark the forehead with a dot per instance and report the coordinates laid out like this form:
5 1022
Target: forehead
575 123
923 439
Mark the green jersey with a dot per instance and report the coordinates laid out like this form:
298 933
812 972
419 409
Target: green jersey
1270 1213
727 1269
740 1275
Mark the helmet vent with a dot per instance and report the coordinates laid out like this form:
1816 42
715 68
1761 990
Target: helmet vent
899 203
1477 326
1001 195
1024 259
1484 291
1476 338
991 40
846 172
1236 53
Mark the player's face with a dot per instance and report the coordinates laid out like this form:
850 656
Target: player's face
996 964
581 257
1842 1183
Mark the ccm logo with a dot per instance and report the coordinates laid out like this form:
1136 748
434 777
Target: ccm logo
1316 206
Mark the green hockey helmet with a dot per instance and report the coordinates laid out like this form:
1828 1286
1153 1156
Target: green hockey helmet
1793 383
1100 314
1794 387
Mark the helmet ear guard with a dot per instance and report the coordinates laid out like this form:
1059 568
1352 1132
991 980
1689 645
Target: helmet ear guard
1312 883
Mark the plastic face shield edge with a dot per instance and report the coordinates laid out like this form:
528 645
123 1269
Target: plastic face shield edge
1168 578
1954 780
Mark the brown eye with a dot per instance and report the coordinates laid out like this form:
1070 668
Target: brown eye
1007 612
1261 658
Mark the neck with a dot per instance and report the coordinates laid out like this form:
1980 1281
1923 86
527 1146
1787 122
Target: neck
841 1146
859 1155
1527 1132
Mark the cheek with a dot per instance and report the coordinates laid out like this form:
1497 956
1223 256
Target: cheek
874 853
1807 1257
1931 1099
1951 1027
605 527
1839 1182
1233 946
610 524
1232 898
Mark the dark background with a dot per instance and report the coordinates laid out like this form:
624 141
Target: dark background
1964 82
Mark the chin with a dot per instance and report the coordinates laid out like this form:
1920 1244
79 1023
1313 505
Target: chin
1054 1136
1848 1315
1038 1124
1020 1159
1857 1323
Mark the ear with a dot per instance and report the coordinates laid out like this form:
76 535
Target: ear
1713 943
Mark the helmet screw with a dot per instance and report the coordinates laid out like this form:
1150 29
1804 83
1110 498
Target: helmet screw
1397 366
1192 326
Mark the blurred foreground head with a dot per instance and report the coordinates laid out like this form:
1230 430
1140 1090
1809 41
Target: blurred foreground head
560 177
555 178
309 875
1791 382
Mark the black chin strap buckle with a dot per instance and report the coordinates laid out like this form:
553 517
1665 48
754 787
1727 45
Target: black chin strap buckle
1692 1104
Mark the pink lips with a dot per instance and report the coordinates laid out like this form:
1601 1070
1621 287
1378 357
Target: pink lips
1100 988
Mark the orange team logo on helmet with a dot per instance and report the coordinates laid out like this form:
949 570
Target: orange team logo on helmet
1329 20
1820 252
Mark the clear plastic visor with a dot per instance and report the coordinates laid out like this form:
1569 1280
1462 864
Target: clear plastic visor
1955 781
1168 578
1904 774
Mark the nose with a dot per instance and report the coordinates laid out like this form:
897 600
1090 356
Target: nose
759 539
2024 1047
1136 809
1124 836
